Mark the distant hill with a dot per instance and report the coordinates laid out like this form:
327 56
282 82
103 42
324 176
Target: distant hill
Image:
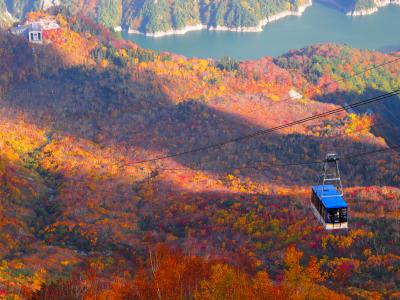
167 17
6 19
366 7
149 16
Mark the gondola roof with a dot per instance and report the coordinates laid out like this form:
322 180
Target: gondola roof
334 200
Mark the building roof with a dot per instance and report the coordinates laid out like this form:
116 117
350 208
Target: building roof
36 26
49 24
20 29
329 196
41 24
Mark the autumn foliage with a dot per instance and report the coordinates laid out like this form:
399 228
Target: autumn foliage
81 219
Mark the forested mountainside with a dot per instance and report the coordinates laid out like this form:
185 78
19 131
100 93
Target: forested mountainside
6 18
364 4
19 8
368 4
80 218
152 17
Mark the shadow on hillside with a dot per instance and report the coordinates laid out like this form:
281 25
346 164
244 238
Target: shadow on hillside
113 109
341 5
192 219
390 48
199 230
386 112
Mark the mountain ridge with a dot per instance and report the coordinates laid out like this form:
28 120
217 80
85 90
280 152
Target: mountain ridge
76 211
178 17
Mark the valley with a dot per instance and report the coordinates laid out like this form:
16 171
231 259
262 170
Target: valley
375 32
112 185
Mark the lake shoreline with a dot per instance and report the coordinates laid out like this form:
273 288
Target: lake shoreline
370 11
259 28
374 33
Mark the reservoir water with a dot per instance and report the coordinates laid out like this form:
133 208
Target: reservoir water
318 24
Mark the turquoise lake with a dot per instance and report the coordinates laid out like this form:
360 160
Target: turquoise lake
319 24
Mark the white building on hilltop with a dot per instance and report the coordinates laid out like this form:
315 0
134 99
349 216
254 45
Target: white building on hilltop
37 31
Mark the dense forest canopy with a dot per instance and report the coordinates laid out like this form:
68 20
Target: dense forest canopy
149 16
79 218
364 4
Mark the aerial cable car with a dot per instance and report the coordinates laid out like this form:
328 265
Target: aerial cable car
327 200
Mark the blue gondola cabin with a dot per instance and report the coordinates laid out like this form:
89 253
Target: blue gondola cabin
329 207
